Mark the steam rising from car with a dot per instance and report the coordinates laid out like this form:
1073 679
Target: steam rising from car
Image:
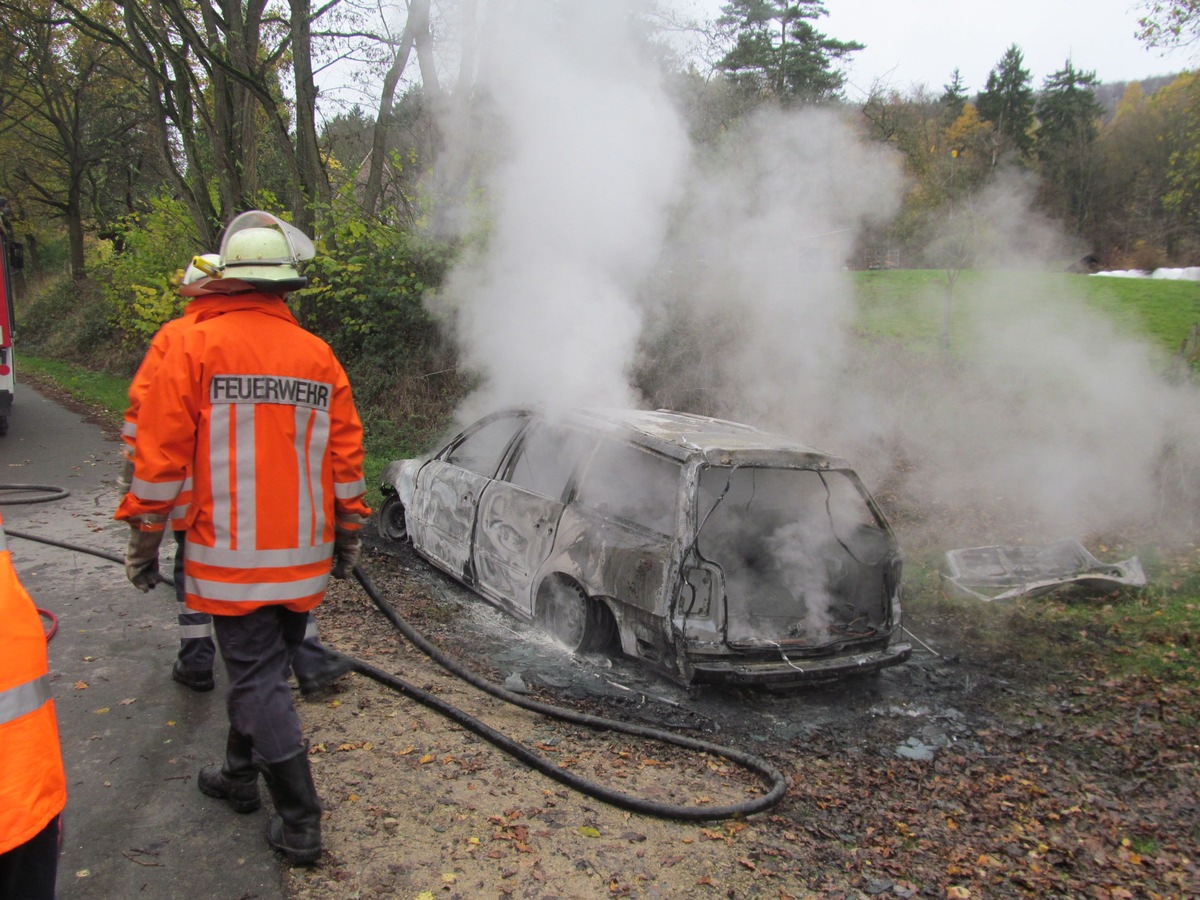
588 154
622 265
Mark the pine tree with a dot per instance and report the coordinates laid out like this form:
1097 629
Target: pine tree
1007 101
1068 115
779 53
954 96
1067 110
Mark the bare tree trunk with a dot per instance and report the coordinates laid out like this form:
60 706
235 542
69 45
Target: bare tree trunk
313 180
418 19
74 216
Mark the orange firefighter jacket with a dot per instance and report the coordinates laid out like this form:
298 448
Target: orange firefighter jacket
142 380
33 785
259 412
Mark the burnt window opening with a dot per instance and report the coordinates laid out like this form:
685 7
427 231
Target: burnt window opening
635 485
802 554
481 450
547 458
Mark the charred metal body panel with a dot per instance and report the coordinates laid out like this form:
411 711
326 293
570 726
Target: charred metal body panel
1005 572
712 551
443 514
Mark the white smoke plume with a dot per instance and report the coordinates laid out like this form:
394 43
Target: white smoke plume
621 266
758 261
588 159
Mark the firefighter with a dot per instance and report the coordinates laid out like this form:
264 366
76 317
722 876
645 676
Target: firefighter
33 785
314 665
259 413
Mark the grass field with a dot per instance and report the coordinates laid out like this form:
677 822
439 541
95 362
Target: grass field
908 305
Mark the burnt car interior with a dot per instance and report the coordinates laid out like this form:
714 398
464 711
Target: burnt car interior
801 552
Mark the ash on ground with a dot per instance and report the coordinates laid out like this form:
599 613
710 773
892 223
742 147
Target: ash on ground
934 701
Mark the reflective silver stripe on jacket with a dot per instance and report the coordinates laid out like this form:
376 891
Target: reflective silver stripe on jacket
245 453
3 540
129 429
180 510
222 508
312 440
253 559
259 592
155 490
24 698
350 489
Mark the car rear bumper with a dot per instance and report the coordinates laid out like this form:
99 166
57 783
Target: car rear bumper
797 671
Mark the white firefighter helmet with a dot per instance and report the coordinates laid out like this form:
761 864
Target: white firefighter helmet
199 272
261 251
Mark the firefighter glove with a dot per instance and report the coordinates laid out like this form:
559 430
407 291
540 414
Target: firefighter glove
347 545
141 558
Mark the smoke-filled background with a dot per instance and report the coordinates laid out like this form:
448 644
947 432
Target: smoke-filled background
622 266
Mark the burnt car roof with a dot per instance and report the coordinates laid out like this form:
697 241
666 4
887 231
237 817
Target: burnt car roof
687 436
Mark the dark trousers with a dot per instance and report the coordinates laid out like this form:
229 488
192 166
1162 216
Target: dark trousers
258 649
28 872
196 647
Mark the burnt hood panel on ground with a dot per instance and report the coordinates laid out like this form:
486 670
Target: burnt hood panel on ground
1006 572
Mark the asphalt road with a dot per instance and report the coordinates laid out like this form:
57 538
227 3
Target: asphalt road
132 739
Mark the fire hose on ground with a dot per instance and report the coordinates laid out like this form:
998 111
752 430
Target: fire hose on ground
769 773
48 492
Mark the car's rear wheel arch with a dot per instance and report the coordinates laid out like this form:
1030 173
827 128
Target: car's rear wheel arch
582 623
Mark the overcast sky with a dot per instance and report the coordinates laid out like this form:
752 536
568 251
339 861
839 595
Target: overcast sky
923 41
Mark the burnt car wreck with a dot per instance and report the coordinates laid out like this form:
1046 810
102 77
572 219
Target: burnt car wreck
709 550
1007 572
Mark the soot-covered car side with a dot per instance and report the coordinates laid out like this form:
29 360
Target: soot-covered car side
712 551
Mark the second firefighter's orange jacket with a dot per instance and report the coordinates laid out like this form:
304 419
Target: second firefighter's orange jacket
144 377
259 413
33 785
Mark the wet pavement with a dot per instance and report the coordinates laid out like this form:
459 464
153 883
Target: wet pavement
133 740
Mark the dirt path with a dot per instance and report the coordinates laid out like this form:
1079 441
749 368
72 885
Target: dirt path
951 776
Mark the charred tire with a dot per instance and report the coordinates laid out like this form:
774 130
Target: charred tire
581 624
391 525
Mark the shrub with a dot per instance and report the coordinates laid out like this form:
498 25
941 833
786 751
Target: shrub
70 321
137 268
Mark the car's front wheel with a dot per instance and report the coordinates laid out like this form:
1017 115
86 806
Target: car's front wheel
580 624
392 525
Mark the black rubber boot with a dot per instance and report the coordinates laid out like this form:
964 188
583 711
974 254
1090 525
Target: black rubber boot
199 680
237 780
295 829
316 671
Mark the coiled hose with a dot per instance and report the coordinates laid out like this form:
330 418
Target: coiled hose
50 492
770 774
